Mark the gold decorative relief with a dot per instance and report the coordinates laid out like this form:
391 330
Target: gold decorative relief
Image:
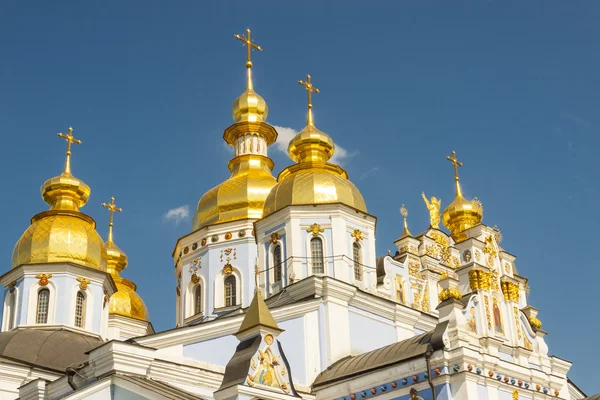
507 268
195 278
425 303
275 237
228 269
43 278
414 267
315 229
479 280
518 325
450 293
467 255
511 291
357 235
489 247
477 255
534 322
83 283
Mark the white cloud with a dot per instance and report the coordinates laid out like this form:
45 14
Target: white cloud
368 173
285 134
177 214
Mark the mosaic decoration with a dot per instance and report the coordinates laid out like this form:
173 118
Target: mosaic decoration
399 289
472 321
267 367
497 316
467 255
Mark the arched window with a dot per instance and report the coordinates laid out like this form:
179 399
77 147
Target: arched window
358 269
316 249
43 303
198 300
80 310
10 305
277 263
230 288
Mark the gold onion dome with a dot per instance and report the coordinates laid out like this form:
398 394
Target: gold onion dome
461 214
125 301
243 195
62 234
313 180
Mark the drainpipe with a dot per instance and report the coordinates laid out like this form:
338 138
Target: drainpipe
70 371
428 355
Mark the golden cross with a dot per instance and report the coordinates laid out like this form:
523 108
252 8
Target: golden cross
70 139
456 164
248 42
310 89
111 208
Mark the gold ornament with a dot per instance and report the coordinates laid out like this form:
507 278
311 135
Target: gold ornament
414 267
515 395
477 255
228 236
507 268
425 303
489 247
43 278
195 278
467 255
227 269
480 280
83 283
357 235
404 213
275 237
315 229
434 205
487 312
450 293
518 325
534 322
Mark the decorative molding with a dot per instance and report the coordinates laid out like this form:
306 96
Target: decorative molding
43 279
83 283
315 229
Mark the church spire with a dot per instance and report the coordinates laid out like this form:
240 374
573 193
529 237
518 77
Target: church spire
258 316
116 258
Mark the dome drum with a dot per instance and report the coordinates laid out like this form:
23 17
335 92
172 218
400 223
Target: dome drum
244 127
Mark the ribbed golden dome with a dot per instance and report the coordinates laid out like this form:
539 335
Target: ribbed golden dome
241 196
116 259
250 107
62 234
126 302
313 180
461 214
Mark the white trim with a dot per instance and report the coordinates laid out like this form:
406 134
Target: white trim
33 300
6 324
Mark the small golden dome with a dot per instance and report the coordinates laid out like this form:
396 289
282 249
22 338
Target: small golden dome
461 214
312 180
126 302
242 196
61 236
250 107
116 259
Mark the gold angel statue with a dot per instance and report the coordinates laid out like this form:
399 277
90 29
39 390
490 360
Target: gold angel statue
434 205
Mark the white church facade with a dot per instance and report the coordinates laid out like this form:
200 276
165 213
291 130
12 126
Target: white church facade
281 294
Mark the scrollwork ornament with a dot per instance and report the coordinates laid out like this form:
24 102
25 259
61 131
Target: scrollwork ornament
43 278
315 229
83 283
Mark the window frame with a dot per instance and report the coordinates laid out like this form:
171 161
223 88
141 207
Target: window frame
357 261
314 257
80 309
38 304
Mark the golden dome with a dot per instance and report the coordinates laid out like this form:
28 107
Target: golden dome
242 196
461 214
126 302
62 234
312 180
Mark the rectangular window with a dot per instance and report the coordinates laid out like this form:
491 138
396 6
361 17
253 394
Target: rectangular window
42 306
316 248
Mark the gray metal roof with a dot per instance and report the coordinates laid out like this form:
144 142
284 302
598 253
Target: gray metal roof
54 349
594 397
383 357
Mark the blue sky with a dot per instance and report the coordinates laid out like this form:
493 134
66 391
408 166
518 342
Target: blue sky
512 86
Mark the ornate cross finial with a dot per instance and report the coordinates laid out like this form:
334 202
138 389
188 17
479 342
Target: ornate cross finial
248 42
456 164
111 208
404 213
310 89
70 139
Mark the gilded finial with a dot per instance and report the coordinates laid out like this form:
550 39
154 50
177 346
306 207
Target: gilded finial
456 164
310 89
248 42
404 213
256 272
111 208
70 139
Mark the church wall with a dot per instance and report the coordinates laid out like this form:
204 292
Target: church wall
294 346
368 332
212 351
118 393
